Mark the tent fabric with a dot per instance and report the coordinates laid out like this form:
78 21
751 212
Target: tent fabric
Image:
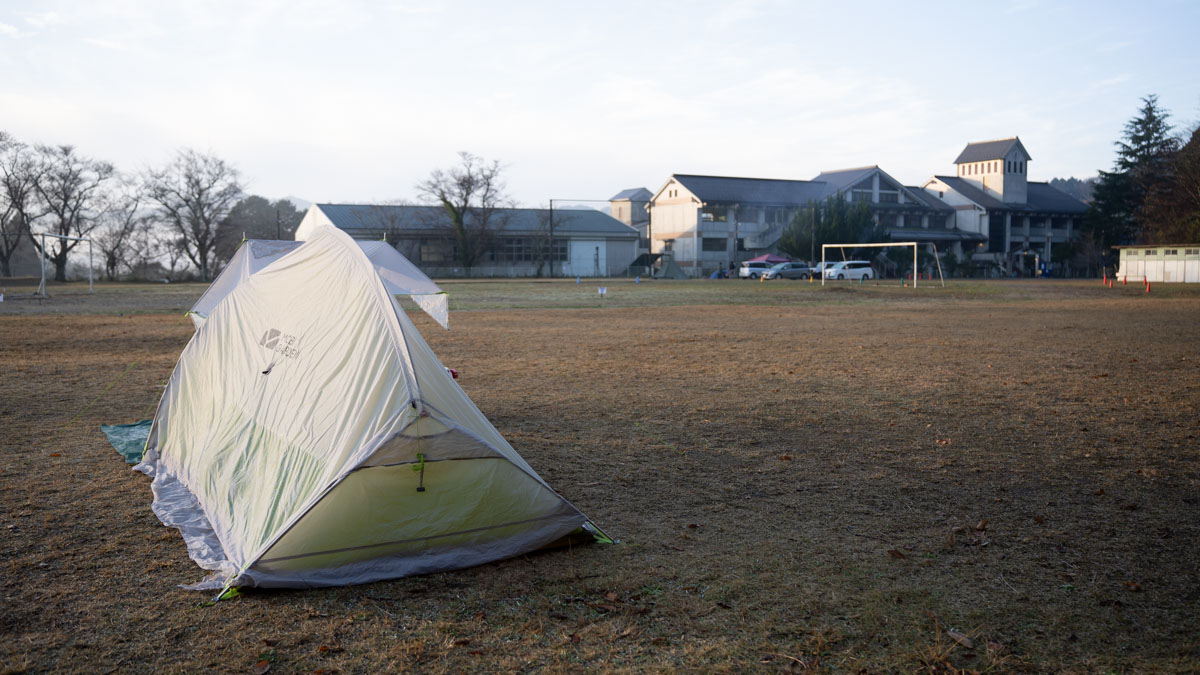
309 436
399 275
769 258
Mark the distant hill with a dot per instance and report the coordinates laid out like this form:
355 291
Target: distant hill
1079 188
303 204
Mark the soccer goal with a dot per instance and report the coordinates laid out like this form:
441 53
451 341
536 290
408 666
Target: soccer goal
43 258
842 249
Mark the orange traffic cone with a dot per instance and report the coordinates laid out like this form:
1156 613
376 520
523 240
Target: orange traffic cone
1104 281
1125 280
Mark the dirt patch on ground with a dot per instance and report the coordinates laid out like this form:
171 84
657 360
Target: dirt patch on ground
856 481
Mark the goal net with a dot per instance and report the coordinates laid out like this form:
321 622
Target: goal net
44 258
842 249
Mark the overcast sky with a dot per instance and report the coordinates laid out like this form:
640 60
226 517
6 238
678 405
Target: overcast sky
357 101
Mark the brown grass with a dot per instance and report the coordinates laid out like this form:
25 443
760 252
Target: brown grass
994 477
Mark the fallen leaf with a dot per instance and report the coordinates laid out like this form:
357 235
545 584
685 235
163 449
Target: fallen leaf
785 458
896 554
269 643
262 667
462 642
982 525
1133 586
56 454
611 596
961 639
574 637
1039 519
692 526
475 652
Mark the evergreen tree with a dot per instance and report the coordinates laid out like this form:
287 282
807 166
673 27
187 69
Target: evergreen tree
1143 155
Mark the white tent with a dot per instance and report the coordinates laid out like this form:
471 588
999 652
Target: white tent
309 436
399 275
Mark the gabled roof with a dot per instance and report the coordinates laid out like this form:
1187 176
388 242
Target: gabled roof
377 217
1041 197
733 190
1046 197
632 194
985 150
927 200
844 178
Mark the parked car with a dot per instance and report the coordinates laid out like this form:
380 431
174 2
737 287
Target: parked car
753 270
850 269
819 270
789 270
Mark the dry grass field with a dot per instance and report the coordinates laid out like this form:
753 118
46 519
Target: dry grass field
994 477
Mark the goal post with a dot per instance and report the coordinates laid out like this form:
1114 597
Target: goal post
42 258
913 244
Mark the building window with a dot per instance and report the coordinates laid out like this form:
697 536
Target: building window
1171 251
1192 251
668 245
1151 252
438 250
713 244
715 214
889 197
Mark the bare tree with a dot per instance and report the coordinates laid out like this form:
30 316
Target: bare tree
69 187
119 221
473 196
19 172
193 194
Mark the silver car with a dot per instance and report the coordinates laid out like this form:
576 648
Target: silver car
753 270
789 270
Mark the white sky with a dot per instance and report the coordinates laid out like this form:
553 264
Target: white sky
357 101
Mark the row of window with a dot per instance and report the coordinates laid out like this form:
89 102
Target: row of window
506 250
1169 251
990 167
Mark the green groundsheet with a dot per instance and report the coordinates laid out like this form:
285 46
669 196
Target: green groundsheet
128 439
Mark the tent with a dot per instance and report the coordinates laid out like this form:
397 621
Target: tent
770 258
400 276
309 436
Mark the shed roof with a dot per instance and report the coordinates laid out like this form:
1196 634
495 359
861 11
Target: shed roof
376 217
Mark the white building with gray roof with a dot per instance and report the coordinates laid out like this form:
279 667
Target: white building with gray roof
988 209
1019 221
518 242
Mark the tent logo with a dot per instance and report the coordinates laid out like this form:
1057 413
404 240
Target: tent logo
281 343
270 338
